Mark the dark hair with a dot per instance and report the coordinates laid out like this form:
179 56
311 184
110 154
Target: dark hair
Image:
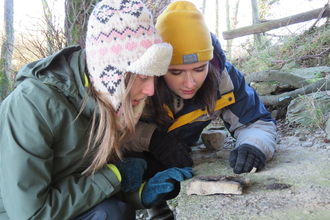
206 96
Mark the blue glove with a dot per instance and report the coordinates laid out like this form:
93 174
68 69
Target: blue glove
245 157
131 172
162 183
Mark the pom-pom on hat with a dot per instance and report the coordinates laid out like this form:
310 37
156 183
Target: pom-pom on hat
183 26
121 38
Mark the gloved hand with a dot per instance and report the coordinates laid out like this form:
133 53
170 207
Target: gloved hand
245 157
130 173
169 150
162 183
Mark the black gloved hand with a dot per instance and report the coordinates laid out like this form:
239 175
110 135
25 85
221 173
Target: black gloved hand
170 151
245 157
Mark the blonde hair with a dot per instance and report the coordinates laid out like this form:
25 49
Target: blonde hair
105 140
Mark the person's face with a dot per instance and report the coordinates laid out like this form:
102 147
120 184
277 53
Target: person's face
186 79
143 86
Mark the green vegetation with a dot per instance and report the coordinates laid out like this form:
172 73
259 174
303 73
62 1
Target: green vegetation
311 48
316 111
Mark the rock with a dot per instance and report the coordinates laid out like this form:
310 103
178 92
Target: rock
311 72
214 139
327 128
209 185
306 110
263 88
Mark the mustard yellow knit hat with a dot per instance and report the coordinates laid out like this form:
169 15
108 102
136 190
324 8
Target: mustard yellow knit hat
183 26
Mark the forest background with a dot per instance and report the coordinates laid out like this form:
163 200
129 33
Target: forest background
31 33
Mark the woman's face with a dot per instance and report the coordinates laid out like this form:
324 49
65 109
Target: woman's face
143 86
186 79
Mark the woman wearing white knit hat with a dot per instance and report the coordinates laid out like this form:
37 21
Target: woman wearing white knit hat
63 127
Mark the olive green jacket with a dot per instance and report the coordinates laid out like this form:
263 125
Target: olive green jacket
42 145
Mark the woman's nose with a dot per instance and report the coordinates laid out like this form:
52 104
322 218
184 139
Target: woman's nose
149 87
189 81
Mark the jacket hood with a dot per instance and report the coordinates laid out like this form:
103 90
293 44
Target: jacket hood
219 58
63 71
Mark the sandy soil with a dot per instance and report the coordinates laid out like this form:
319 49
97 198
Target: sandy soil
295 184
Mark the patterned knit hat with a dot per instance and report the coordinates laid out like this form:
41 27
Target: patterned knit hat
121 38
183 26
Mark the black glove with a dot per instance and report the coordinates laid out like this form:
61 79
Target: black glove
170 151
245 157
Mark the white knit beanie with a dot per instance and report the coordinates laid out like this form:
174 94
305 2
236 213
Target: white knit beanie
121 38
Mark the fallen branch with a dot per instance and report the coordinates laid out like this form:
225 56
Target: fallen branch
306 57
319 17
285 98
277 76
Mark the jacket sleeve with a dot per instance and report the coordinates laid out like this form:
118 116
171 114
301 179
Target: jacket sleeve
29 188
141 139
247 119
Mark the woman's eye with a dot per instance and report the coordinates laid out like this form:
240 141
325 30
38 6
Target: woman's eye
143 78
175 73
199 70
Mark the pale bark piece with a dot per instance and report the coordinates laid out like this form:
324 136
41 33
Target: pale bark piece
210 185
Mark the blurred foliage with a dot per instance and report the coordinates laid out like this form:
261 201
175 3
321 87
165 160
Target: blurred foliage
308 49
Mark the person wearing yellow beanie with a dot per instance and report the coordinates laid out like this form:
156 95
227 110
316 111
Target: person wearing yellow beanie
199 85
183 26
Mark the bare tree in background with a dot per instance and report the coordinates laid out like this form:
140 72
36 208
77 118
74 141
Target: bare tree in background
156 7
203 7
256 20
7 49
217 18
77 13
264 7
49 32
44 38
231 23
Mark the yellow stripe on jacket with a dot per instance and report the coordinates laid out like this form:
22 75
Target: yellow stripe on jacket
225 100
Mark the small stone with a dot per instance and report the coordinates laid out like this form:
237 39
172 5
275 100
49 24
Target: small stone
214 139
302 138
307 144
306 212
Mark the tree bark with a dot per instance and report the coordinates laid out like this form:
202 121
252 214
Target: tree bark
77 13
263 27
231 23
156 7
285 98
256 20
7 49
277 76
217 18
49 32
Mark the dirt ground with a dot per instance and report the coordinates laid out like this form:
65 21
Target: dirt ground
295 184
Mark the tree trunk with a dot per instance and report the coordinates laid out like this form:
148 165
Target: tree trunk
285 98
277 76
156 7
77 13
7 49
263 27
217 18
49 32
256 20
229 42
203 7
